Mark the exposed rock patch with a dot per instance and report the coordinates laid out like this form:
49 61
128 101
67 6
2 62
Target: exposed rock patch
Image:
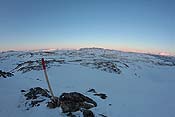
36 65
88 113
103 65
92 91
36 92
68 102
101 95
35 96
5 74
71 102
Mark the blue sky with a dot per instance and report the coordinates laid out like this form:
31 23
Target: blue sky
132 25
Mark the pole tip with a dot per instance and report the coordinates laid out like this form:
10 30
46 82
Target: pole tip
43 64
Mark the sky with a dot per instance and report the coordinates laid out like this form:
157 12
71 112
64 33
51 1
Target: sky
128 25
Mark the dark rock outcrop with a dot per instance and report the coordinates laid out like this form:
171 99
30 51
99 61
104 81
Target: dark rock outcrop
103 65
71 102
53 103
36 65
92 91
34 92
35 97
88 113
5 74
101 95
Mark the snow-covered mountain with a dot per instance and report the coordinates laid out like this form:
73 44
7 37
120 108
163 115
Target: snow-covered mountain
136 85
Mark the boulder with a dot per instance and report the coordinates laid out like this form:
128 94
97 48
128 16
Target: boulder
72 102
88 113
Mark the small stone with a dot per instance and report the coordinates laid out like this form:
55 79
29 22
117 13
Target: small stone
92 90
70 115
36 102
54 103
50 105
101 95
23 91
102 115
88 113
38 105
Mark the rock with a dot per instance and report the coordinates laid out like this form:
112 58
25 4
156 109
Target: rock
38 79
101 95
34 92
92 91
88 113
69 102
102 115
103 65
35 97
36 65
54 103
36 102
76 97
5 74
23 91
70 106
51 105
87 106
70 115
72 102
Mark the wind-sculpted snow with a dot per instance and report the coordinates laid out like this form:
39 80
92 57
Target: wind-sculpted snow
128 84
96 58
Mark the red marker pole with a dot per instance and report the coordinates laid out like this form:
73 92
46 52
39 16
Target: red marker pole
45 73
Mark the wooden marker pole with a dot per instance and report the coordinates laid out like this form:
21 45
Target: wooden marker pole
45 73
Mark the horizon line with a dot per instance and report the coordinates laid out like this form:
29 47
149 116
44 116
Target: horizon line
122 50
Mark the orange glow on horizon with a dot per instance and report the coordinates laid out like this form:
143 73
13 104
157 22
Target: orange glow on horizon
124 49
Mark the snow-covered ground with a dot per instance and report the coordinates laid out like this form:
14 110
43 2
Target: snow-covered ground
136 85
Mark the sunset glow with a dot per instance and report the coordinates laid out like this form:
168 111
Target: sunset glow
134 26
